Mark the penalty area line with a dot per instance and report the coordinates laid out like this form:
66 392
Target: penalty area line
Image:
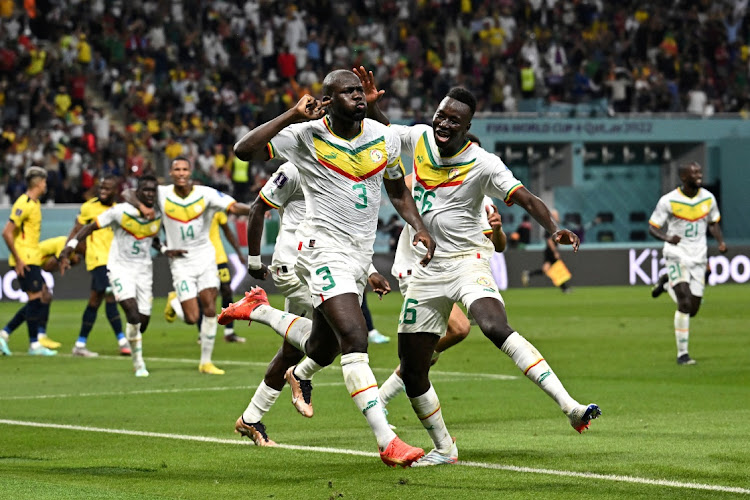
340 451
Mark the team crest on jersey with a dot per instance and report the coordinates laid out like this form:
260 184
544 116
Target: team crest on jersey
484 281
356 164
431 173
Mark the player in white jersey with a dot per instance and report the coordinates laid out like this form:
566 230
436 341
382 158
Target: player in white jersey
452 175
188 211
687 212
342 160
283 192
458 326
129 266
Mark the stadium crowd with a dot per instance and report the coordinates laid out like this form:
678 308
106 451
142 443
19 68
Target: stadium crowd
113 87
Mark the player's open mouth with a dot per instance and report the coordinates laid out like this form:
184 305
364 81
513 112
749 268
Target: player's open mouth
360 106
442 136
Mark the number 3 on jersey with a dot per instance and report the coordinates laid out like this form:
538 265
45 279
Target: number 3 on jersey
186 233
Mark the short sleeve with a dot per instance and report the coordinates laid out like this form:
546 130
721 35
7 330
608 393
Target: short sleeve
486 202
394 169
286 144
18 213
83 215
404 136
661 213
281 186
221 218
501 181
714 215
217 199
110 216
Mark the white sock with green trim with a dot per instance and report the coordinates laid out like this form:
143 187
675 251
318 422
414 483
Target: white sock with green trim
133 336
392 387
427 408
363 388
532 364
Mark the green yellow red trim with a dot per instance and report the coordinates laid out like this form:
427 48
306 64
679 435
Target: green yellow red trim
533 365
431 414
286 333
326 121
510 193
268 202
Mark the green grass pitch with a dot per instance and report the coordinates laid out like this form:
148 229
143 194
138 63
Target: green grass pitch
87 428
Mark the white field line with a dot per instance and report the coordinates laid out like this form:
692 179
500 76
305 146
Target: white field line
339 451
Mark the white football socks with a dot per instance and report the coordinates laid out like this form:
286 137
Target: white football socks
306 369
363 388
292 328
133 336
392 387
262 401
427 408
681 331
536 369
208 337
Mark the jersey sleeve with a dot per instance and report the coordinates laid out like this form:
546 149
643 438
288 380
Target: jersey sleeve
281 186
403 133
84 216
287 143
713 214
111 216
221 218
501 182
661 213
19 212
218 200
394 169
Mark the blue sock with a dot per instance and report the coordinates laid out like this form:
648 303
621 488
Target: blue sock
113 315
87 323
43 318
16 320
32 318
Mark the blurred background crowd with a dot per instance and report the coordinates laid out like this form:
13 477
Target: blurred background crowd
89 87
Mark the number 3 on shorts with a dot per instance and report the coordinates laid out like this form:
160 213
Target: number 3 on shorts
409 314
326 276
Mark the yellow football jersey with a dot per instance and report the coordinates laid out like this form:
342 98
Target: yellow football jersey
51 247
26 214
215 237
98 243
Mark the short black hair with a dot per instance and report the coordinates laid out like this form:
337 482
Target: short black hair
147 178
465 96
108 177
181 158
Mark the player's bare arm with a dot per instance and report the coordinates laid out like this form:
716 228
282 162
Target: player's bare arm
539 211
715 231
497 237
8 231
239 209
253 145
258 211
81 234
661 234
232 239
407 209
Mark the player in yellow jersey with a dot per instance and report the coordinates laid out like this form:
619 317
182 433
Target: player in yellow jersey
50 248
97 253
21 234
173 308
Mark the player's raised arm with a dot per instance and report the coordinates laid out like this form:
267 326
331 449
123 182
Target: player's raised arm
372 95
253 145
539 211
407 209
258 210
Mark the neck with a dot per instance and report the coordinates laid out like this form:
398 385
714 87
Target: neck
452 150
690 191
344 128
34 194
183 191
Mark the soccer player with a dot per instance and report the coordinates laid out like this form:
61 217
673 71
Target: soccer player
283 192
452 176
129 266
342 159
97 253
458 326
687 211
188 210
21 234
173 308
50 249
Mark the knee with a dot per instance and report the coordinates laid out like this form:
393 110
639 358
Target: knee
191 318
458 332
498 333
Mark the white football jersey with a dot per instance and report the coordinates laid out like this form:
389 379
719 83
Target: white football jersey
187 221
407 255
687 218
341 179
133 233
449 192
283 191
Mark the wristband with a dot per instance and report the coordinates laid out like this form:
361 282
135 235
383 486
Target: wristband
253 262
72 243
371 270
163 249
